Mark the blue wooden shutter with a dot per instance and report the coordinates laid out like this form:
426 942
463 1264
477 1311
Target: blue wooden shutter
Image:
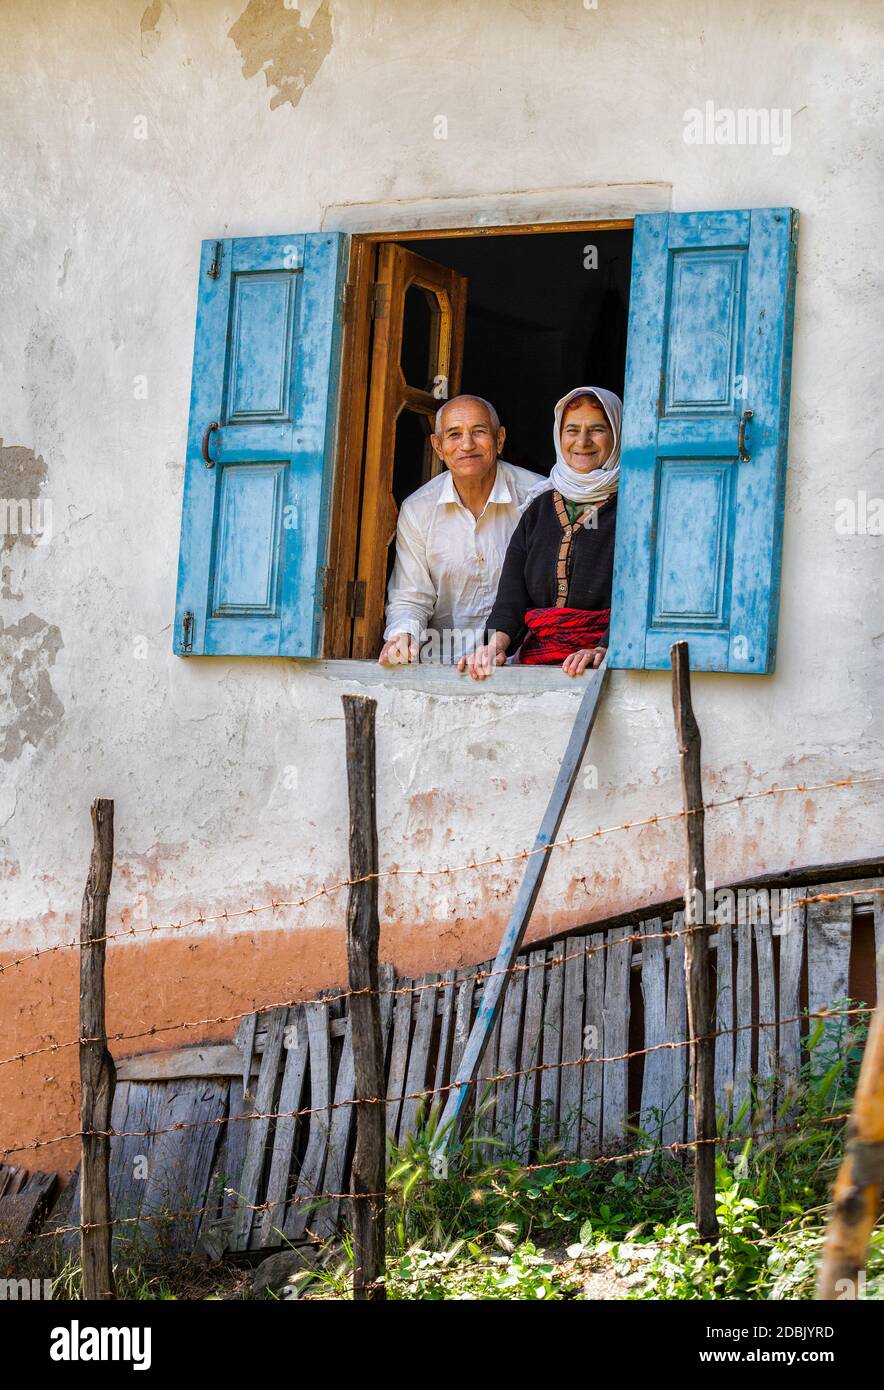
255 520
698 529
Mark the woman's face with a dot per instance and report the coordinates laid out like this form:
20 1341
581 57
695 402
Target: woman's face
586 438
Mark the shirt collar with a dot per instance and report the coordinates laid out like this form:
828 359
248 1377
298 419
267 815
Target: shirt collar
500 492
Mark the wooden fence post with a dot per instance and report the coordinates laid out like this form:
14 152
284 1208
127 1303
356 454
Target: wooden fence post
698 980
97 1071
857 1194
368 1174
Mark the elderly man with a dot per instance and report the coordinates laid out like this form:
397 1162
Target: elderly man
452 536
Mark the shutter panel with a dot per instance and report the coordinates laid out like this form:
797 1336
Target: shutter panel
255 520
699 529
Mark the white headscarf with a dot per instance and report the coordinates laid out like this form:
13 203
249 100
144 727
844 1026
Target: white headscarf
598 486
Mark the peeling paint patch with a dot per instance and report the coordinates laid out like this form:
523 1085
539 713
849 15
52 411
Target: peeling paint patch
272 40
151 17
29 707
150 38
22 475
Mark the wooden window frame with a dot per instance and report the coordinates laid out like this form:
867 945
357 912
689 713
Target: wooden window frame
338 576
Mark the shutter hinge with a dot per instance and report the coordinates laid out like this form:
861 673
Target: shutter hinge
187 633
215 267
377 304
793 225
356 598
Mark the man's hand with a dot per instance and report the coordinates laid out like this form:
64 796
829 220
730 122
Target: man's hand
586 658
482 661
399 650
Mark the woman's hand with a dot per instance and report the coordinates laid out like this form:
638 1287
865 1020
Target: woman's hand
482 661
586 658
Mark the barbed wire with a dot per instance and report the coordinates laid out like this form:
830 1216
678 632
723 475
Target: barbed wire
479 979
482 1083
598 1160
568 841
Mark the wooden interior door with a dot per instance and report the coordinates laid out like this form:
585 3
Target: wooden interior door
419 312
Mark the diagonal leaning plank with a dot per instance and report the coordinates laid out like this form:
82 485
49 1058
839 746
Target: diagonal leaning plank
535 869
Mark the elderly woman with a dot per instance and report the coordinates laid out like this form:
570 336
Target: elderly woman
554 597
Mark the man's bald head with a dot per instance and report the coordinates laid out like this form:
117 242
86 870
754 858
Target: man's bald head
493 416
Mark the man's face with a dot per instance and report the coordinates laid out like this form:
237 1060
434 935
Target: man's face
467 443
587 440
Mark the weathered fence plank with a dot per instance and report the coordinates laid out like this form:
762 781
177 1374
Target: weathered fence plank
508 1059
399 1056
259 1128
486 1092
675 1094
616 1039
767 1027
529 1056
446 1038
743 1047
724 1022
828 971
463 1015
339 1130
789 928
286 1130
571 1088
413 1103
180 1161
594 1026
552 1047
653 980
302 1209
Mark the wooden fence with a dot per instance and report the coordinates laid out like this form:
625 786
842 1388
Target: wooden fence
599 995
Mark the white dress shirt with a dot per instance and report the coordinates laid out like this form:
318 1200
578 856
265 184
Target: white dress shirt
448 562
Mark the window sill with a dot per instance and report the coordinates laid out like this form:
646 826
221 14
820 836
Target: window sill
445 680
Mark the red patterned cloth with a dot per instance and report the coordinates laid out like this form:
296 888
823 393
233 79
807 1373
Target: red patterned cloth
554 633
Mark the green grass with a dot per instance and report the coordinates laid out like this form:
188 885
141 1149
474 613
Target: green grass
483 1231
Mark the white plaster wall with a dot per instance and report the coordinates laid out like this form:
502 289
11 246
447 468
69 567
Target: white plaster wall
228 776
